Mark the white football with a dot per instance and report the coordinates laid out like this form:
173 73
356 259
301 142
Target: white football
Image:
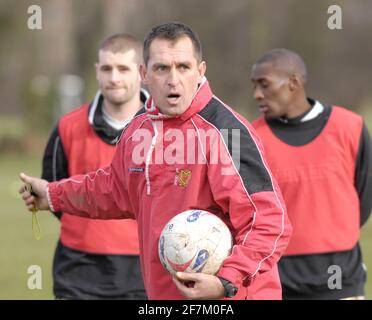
194 241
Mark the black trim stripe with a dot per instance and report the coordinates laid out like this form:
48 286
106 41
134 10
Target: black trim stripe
251 168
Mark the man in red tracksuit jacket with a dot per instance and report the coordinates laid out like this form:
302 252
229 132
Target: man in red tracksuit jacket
185 128
97 259
321 156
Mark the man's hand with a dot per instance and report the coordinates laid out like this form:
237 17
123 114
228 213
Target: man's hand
205 286
38 198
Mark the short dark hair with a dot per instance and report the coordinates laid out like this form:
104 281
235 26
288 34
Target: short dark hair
172 31
122 42
286 60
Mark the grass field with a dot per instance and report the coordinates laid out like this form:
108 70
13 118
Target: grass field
19 250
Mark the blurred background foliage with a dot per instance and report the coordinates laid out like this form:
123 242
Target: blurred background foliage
34 64
234 34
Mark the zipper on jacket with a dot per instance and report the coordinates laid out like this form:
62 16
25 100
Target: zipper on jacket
148 157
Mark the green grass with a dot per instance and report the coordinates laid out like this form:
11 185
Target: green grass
366 244
19 250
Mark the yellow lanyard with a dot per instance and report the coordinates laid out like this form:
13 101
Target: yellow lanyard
35 221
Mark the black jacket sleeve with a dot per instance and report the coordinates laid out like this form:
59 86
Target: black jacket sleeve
55 165
363 175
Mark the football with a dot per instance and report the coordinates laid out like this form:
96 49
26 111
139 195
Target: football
194 241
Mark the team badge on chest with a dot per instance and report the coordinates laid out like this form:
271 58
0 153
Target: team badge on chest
183 177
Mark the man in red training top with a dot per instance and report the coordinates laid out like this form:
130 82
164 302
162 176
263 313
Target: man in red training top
321 158
97 259
185 128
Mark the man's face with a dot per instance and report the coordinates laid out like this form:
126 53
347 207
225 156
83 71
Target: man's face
271 90
118 76
172 74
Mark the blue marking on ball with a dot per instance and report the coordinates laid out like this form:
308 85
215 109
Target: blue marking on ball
194 216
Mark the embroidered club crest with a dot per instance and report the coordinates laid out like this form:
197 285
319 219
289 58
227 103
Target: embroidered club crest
184 176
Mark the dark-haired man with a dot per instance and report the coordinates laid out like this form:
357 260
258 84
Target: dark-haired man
321 157
186 150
